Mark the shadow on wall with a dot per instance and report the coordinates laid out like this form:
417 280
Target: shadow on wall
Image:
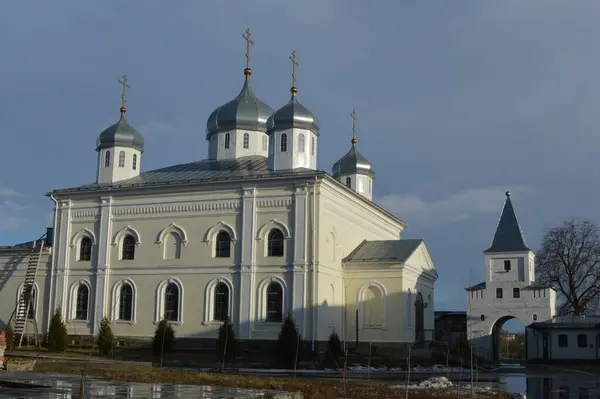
374 314
6 273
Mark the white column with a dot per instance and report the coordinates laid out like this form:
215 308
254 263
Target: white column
299 267
62 253
246 289
102 266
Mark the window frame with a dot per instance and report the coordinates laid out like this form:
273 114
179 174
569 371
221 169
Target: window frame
226 303
301 143
516 293
121 159
227 143
277 315
107 159
279 251
128 248
283 145
499 293
507 265
246 141
563 341
77 309
84 252
582 340
223 251
349 182
134 162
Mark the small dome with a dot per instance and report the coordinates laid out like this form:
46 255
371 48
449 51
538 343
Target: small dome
353 163
293 115
245 111
121 134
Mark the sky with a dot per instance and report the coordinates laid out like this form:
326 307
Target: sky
457 102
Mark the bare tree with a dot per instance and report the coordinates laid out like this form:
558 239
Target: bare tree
569 262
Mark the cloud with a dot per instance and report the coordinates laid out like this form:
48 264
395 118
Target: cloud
459 206
8 192
12 214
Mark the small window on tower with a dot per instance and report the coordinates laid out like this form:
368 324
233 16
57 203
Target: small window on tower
107 159
348 182
134 163
301 143
312 146
506 265
227 140
246 140
121 159
265 140
283 142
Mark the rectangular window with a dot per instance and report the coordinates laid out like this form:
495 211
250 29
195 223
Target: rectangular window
506 265
499 293
563 341
516 293
582 341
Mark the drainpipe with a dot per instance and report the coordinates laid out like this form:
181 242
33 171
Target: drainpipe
314 281
52 260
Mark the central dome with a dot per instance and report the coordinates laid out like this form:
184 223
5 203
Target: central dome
245 112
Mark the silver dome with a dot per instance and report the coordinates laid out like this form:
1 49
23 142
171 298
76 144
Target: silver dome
245 111
293 115
121 134
353 163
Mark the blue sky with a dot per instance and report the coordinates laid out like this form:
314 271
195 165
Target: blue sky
457 102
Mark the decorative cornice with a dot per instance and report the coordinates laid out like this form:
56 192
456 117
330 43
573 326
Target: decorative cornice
85 213
176 208
274 203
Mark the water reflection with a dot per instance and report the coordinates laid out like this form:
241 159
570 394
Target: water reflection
58 386
555 386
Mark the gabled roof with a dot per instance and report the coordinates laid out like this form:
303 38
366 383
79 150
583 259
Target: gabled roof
476 287
383 251
508 237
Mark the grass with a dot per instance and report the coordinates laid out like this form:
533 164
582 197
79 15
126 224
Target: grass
311 388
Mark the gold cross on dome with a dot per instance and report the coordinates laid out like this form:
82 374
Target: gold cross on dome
247 36
123 82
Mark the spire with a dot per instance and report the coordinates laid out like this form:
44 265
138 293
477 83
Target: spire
123 82
247 36
508 237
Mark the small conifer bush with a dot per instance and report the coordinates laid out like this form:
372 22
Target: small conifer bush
106 338
57 333
288 343
164 338
226 342
334 349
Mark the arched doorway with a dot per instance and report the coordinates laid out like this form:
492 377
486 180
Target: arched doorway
419 318
508 340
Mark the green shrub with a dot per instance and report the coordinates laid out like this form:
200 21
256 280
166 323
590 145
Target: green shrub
226 342
106 338
57 333
334 350
288 343
164 338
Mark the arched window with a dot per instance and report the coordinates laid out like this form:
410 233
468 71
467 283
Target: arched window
246 140
499 293
265 143
283 142
172 246
223 245
274 302
172 302
372 303
348 182
221 302
85 249
82 303
275 243
301 143
128 248
107 159
121 159
312 146
227 140
126 302
134 162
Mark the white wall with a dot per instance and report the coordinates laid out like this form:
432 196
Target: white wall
114 172
571 352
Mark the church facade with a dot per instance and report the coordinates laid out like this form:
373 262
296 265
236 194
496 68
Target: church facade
252 233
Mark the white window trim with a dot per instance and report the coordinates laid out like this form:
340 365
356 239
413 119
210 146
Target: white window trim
262 299
160 301
73 302
301 143
36 301
122 158
76 242
118 237
246 141
361 305
264 231
209 301
211 233
172 228
116 298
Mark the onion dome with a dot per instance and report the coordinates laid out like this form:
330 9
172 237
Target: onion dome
293 115
121 134
353 163
245 112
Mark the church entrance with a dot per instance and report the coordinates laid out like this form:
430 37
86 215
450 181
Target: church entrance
419 319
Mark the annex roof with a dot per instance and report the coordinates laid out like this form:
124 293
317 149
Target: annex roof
383 251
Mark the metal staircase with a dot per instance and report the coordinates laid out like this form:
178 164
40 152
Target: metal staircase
27 298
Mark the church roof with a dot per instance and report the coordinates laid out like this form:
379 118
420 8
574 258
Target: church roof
293 115
246 111
508 237
353 163
251 167
120 134
383 251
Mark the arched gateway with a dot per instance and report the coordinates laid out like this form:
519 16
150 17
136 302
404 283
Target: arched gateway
509 290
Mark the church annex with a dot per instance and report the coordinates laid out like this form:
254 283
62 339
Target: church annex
253 232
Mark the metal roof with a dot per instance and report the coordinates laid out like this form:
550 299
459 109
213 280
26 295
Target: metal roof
508 236
384 250
245 111
293 115
120 134
353 163
251 167
568 322
480 286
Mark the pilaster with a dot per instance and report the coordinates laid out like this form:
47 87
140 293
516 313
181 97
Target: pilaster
246 278
299 267
102 267
62 255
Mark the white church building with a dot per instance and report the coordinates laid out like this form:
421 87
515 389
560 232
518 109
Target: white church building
509 290
252 233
